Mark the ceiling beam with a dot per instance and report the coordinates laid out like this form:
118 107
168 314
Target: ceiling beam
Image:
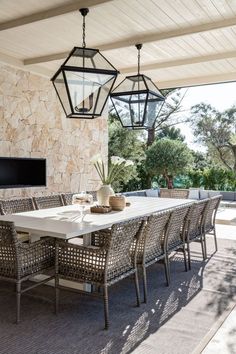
55 11
17 63
197 81
145 38
179 62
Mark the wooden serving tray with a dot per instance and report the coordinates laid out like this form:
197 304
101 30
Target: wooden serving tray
100 209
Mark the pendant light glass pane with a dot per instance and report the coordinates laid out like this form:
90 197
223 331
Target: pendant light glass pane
87 86
103 93
60 87
153 108
137 102
85 90
152 87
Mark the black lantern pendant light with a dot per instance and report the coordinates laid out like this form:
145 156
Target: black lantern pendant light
137 100
84 81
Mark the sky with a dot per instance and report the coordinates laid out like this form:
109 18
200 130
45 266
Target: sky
220 96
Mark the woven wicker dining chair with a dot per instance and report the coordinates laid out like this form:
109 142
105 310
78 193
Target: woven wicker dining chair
209 219
94 194
194 230
20 261
150 245
48 201
17 205
174 193
100 266
67 198
175 235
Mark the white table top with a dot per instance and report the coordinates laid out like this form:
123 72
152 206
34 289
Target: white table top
64 222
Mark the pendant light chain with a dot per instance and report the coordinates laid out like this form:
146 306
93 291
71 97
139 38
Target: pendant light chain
138 61
139 47
83 12
83 36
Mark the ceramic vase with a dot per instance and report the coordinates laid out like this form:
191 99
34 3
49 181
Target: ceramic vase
104 193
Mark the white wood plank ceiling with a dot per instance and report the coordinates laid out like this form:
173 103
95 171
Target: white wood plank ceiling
185 42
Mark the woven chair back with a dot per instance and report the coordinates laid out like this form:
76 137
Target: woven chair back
94 194
175 233
174 193
67 198
210 212
119 259
150 245
50 201
195 219
18 205
8 250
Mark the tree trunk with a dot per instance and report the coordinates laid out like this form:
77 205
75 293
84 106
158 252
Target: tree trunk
151 136
170 184
234 153
169 180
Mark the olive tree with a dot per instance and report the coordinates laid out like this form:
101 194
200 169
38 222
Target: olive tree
168 158
217 130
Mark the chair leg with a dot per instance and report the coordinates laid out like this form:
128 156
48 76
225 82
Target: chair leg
57 294
137 287
189 255
167 269
185 258
144 284
106 310
18 298
216 246
203 247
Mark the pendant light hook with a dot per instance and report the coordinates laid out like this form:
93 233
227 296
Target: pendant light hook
139 47
84 12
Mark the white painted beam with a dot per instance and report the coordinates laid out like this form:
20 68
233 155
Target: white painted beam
144 38
53 12
197 81
180 62
17 63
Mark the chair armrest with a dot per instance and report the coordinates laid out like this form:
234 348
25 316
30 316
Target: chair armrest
100 238
93 250
47 241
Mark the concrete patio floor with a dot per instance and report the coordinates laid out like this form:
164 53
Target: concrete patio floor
221 338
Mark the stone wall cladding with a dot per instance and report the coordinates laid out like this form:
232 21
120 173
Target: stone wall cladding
33 124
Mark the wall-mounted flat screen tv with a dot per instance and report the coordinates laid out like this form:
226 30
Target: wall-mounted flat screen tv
17 172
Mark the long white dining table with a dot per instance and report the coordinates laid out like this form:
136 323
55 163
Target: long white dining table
65 222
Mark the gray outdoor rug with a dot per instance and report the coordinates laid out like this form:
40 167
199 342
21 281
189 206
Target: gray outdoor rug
174 320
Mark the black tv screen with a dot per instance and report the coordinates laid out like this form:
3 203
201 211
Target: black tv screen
17 172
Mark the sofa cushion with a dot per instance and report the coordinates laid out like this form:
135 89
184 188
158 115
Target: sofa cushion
152 193
227 195
213 193
203 194
141 193
194 194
